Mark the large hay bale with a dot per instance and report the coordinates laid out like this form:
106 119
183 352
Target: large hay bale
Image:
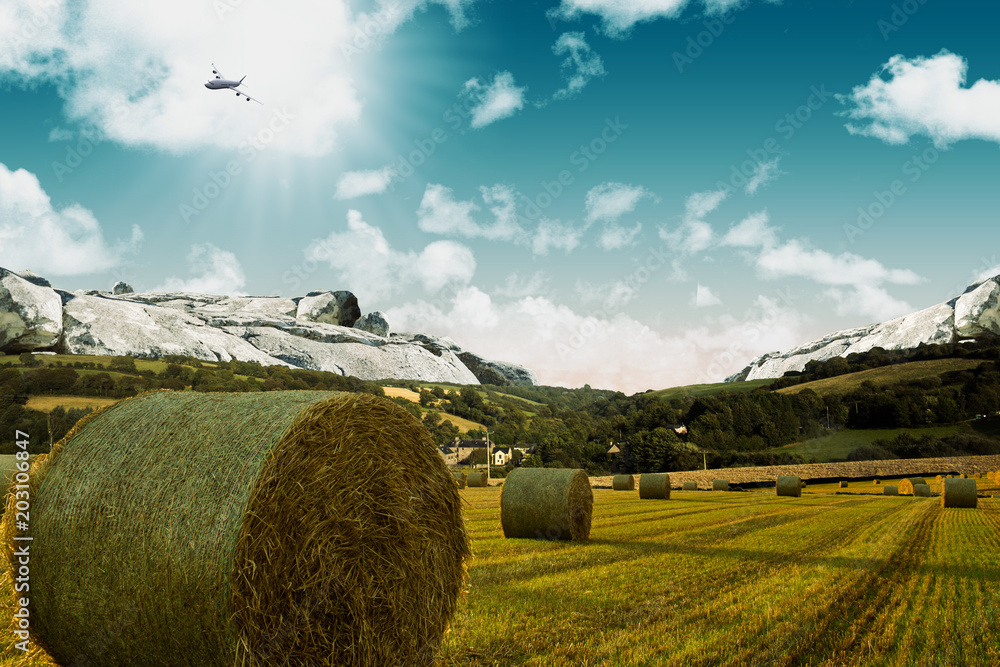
546 503
959 493
279 528
654 485
461 478
477 478
690 486
788 485
921 490
890 490
906 485
843 485
623 483
720 485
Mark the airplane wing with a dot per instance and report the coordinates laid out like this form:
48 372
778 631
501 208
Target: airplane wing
240 92
217 73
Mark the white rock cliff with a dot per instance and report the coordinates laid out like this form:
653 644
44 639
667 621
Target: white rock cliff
976 312
316 332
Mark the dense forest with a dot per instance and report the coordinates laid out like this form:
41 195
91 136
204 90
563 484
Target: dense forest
575 427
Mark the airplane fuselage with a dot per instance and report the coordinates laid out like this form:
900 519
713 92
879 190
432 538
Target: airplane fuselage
217 84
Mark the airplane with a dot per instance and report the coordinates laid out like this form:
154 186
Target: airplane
220 82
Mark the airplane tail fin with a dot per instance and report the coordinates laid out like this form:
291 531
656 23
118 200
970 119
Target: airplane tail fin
244 76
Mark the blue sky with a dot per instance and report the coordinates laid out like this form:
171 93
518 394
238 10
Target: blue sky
627 194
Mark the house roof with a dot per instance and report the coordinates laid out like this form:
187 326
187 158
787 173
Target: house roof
505 450
614 449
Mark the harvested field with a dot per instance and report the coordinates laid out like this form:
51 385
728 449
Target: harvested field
48 403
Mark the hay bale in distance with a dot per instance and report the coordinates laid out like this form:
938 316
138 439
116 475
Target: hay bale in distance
890 490
546 503
623 483
843 485
478 478
788 485
238 527
802 484
921 490
690 486
906 485
655 486
959 493
720 485
876 481
461 478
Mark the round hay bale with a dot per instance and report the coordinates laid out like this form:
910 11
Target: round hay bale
277 528
461 478
690 486
921 491
546 503
890 490
802 484
906 485
843 485
962 476
720 485
654 485
938 478
876 481
623 483
788 485
477 478
959 493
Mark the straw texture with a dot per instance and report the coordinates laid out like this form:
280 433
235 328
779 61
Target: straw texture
720 485
906 485
788 485
959 493
922 490
278 528
843 485
546 503
890 490
461 478
477 478
623 483
654 485
690 486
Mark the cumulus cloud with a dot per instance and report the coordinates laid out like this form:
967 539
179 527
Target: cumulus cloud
493 101
703 297
214 271
694 234
618 17
134 70
553 234
754 231
441 213
360 183
580 66
925 96
616 237
868 300
793 258
613 351
59 242
609 201
370 267
764 174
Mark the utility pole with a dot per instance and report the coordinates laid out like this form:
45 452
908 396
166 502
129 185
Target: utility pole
489 456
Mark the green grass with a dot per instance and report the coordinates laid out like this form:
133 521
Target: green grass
695 390
886 375
736 579
836 446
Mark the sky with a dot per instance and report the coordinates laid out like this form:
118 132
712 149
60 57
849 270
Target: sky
632 195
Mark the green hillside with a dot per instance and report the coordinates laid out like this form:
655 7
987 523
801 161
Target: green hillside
884 376
698 390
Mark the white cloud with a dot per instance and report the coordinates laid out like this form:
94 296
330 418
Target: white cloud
610 201
494 101
694 234
752 232
359 183
612 351
703 297
763 174
215 272
580 66
925 96
135 70
618 17
792 258
553 234
371 268
441 213
868 300
60 242
616 237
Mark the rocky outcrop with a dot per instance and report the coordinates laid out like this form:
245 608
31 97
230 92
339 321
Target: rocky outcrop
121 287
375 323
305 332
498 372
975 313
